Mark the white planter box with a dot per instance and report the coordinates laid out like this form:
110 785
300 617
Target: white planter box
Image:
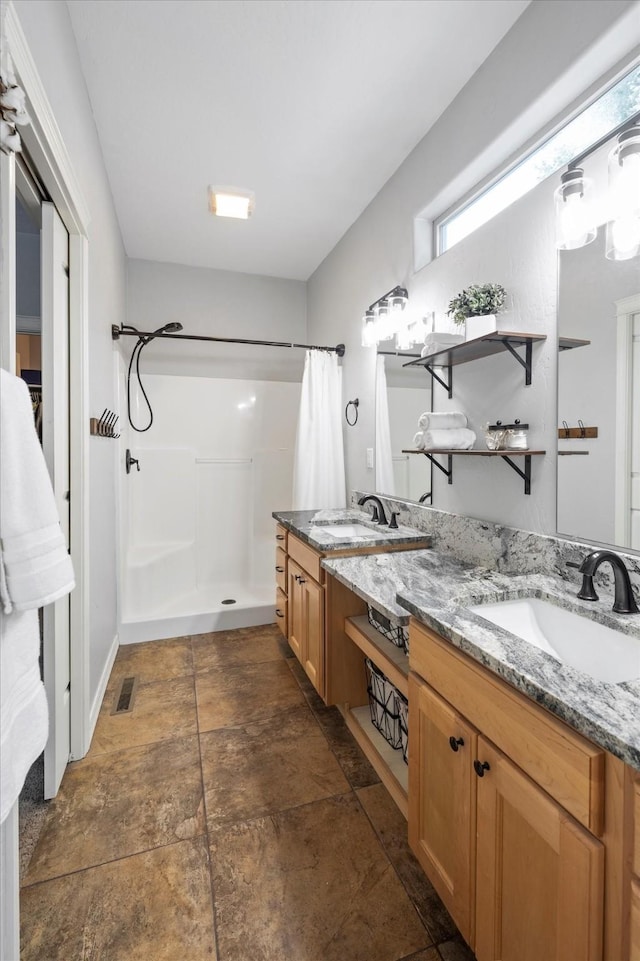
479 326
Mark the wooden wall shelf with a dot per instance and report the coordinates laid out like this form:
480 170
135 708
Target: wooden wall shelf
506 455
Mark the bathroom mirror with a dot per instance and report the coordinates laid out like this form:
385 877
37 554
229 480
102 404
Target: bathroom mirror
408 395
599 389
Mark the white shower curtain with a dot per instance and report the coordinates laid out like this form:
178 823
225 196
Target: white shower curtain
385 483
318 472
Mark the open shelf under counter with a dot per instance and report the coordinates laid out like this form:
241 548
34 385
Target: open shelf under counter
388 763
391 660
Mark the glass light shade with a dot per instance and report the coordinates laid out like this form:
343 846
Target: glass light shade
575 214
385 321
623 226
404 338
369 330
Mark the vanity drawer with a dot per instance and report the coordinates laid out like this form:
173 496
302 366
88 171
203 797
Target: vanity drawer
562 762
281 536
281 611
281 569
306 557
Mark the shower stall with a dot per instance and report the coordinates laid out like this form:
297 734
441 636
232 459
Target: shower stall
196 532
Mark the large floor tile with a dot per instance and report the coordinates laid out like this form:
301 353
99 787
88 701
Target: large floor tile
456 950
152 661
119 804
391 827
267 766
310 884
149 907
243 694
224 649
160 711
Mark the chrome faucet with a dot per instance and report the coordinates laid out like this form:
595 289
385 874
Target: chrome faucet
378 510
624 602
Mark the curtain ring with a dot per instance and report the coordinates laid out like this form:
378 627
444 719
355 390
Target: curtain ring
352 403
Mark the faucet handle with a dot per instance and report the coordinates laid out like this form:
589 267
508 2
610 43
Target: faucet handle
393 523
375 517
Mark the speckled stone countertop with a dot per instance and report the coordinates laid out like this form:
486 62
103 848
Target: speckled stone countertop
438 590
308 526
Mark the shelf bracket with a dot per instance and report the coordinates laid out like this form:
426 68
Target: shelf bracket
526 363
447 386
447 471
524 474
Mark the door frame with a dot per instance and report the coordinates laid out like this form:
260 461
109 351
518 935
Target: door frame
625 310
44 142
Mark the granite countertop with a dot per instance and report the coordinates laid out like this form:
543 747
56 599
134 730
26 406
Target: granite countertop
438 590
308 526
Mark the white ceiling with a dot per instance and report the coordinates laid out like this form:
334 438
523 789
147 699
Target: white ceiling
311 103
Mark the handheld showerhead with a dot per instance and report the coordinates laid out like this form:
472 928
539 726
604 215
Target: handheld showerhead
171 328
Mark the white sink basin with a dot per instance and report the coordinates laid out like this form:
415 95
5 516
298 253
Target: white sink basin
348 530
591 647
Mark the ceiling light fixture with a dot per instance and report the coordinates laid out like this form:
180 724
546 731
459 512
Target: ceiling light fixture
231 202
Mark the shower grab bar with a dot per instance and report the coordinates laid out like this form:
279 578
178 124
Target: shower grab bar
117 332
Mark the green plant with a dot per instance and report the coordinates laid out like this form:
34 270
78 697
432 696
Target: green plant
476 301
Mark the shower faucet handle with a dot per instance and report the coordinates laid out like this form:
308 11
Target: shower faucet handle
129 461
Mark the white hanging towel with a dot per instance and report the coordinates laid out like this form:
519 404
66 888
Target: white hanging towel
318 472
35 569
385 482
442 421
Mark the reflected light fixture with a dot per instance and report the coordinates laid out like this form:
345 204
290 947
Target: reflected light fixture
575 217
384 315
231 202
623 224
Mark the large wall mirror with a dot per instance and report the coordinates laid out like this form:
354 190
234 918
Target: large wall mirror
408 395
599 387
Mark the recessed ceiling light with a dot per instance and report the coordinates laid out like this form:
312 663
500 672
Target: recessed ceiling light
231 202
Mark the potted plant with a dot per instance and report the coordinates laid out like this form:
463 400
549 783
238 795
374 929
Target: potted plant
476 307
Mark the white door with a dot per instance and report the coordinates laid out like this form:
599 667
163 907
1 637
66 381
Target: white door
55 444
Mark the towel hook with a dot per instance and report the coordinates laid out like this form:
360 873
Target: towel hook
355 404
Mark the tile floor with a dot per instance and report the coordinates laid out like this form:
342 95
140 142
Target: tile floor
230 816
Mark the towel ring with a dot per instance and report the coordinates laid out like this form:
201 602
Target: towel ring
352 403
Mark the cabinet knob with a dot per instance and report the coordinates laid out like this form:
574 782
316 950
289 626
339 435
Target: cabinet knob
301 580
480 767
280 570
455 742
279 537
279 613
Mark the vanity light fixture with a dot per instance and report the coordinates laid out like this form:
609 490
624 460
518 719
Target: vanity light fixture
575 218
623 225
385 314
231 202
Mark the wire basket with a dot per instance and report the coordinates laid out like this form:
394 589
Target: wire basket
383 704
395 633
402 707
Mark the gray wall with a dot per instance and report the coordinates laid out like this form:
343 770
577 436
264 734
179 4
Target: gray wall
554 51
52 44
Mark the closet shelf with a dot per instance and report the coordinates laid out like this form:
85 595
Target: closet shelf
506 456
496 342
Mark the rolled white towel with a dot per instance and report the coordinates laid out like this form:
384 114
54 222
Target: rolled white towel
444 420
442 337
418 440
460 438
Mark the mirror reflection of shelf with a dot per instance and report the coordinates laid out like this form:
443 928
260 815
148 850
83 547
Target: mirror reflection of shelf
506 455
569 343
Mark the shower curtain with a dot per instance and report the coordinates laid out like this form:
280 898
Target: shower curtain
318 472
384 460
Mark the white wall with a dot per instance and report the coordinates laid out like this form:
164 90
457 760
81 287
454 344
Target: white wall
554 51
48 32
218 303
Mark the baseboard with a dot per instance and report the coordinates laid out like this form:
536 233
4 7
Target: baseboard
102 686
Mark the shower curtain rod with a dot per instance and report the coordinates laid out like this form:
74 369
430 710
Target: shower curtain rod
117 332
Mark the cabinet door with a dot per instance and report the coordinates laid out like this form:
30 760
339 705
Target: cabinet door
539 874
442 789
634 950
295 597
313 648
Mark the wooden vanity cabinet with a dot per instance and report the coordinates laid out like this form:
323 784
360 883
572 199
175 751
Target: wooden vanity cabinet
306 623
521 877
281 579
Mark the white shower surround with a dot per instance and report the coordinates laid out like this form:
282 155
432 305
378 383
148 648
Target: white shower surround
196 525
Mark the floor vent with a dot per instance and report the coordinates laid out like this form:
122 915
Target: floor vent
228 600
126 696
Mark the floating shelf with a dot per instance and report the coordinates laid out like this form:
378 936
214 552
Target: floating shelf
506 455
494 343
569 343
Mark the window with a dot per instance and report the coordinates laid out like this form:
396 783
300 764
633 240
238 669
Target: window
613 108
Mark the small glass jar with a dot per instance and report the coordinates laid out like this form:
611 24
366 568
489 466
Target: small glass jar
517 438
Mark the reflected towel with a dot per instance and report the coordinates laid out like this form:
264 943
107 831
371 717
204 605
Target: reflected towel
439 340
442 421
460 438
